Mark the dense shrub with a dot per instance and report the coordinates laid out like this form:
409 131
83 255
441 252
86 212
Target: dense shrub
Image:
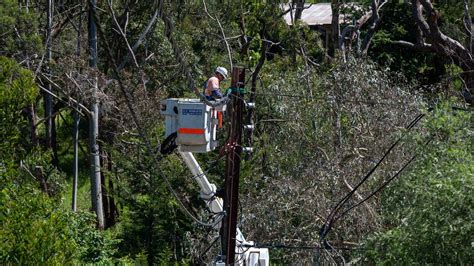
429 212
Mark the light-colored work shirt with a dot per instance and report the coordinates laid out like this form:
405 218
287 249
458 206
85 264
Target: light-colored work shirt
212 88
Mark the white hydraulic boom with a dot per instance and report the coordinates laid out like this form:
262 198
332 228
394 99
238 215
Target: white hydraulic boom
191 127
208 190
247 255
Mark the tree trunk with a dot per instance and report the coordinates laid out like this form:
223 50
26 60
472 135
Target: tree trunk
110 210
468 26
31 114
374 21
41 177
251 111
48 99
54 143
443 44
75 133
299 9
335 28
75 164
96 191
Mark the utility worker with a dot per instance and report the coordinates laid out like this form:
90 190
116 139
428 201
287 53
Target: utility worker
212 91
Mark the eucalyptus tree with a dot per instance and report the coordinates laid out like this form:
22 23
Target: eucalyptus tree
431 38
96 186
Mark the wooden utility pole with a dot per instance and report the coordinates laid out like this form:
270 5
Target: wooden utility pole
234 144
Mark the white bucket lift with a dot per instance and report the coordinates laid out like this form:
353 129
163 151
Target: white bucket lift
193 121
191 126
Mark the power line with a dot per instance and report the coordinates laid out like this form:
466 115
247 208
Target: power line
332 216
146 140
377 190
297 247
394 176
383 185
299 97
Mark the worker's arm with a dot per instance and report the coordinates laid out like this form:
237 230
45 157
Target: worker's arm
216 93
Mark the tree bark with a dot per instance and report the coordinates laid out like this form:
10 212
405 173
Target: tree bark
354 30
75 164
48 99
54 143
75 133
113 211
107 190
299 9
335 27
31 114
374 21
96 191
253 89
468 26
443 45
41 177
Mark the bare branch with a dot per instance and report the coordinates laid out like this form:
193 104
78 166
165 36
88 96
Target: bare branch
122 33
222 32
151 23
360 198
59 98
76 103
442 44
177 53
426 47
468 26
375 19
61 25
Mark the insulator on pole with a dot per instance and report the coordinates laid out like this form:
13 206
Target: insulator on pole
250 105
249 127
247 149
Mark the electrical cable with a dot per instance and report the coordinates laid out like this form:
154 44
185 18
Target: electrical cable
327 226
208 248
383 185
240 255
298 97
377 190
211 166
284 246
146 140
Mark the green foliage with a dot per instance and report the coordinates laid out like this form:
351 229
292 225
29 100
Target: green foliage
17 90
314 127
33 230
429 211
151 225
396 24
19 29
36 229
93 246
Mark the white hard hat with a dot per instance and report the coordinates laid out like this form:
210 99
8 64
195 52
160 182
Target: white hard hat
222 71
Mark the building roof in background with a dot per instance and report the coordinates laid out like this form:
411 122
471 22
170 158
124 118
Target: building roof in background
314 14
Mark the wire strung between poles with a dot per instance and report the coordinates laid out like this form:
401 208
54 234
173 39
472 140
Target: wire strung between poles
384 184
327 226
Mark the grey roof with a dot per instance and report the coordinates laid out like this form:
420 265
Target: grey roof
313 14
